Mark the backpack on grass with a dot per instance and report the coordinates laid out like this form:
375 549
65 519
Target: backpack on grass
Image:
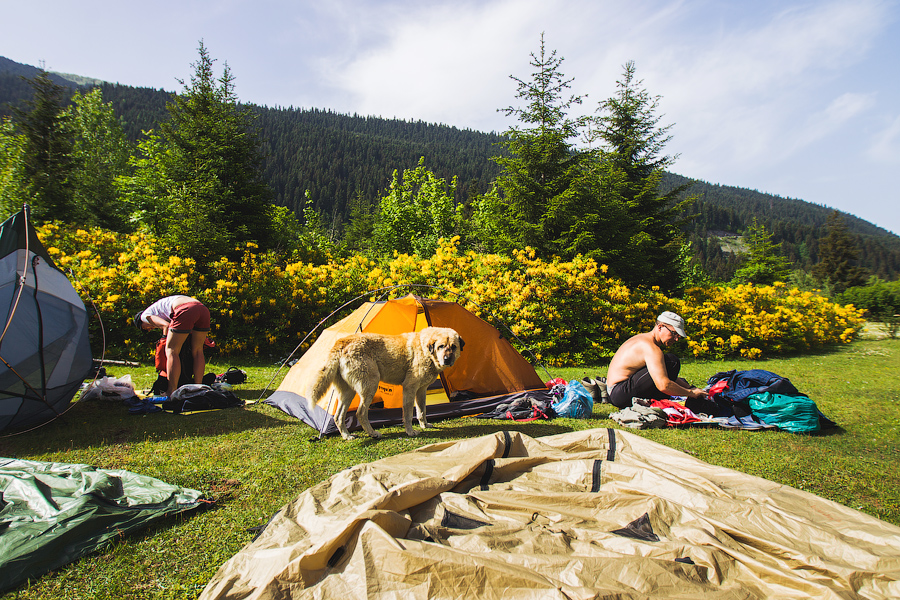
233 376
197 396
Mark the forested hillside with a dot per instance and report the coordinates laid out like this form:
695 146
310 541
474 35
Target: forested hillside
721 212
342 159
339 157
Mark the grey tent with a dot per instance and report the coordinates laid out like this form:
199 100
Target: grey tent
45 354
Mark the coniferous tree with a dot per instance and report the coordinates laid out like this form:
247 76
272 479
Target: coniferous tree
101 154
648 240
217 198
542 166
357 235
764 264
838 253
48 163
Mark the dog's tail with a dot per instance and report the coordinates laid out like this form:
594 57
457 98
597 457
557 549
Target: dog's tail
325 376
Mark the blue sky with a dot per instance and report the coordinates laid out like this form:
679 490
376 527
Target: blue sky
795 98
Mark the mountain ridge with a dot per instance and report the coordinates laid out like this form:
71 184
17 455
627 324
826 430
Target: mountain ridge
344 160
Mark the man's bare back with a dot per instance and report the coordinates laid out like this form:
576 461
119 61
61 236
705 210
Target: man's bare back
632 356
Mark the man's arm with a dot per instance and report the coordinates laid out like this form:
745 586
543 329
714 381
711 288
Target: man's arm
656 366
160 323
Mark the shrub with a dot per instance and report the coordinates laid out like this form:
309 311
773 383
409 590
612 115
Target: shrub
563 312
880 299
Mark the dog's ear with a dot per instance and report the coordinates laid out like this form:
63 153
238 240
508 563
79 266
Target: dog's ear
462 342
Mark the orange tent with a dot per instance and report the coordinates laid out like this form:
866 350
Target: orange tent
489 371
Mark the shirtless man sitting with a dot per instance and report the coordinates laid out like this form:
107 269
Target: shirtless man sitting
640 369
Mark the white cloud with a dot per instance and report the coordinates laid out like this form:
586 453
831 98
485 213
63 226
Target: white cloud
785 96
886 144
440 63
832 119
745 98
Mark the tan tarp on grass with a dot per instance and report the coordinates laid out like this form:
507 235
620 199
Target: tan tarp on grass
591 514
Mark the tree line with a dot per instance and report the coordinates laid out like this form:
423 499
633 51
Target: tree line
207 173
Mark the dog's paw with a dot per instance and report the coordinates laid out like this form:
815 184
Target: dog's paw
375 435
412 432
348 436
425 425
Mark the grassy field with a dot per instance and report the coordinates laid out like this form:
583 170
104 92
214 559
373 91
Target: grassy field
253 460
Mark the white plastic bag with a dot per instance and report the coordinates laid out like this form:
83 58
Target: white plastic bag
110 388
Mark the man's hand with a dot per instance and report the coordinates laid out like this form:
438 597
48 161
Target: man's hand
697 393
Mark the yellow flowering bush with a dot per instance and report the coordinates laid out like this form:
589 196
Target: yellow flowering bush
752 321
560 312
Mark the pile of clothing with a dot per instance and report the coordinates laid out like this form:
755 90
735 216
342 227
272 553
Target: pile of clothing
752 400
525 408
645 413
761 399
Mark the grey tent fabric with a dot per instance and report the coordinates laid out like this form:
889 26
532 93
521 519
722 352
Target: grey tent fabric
54 513
45 354
601 513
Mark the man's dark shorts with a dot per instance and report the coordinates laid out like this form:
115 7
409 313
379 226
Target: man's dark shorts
640 385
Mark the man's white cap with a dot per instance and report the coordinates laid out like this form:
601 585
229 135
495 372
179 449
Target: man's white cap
677 323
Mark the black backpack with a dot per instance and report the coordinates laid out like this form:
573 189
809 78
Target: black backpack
196 396
233 376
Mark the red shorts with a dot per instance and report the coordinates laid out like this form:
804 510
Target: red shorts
188 317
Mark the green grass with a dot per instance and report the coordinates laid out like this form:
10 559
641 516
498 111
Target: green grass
254 460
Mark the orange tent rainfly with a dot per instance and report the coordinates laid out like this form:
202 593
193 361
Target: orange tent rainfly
489 371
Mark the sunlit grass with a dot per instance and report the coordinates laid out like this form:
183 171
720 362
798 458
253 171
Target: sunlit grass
255 459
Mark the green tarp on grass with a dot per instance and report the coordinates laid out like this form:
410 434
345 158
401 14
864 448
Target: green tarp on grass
53 513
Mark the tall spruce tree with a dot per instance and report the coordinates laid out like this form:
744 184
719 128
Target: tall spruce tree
101 154
838 253
217 199
648 241
542 166
48 163
605 202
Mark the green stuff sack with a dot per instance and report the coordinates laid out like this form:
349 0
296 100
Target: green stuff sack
797 414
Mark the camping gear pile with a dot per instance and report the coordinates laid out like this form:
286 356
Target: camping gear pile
759 399
188 398
601 513
195 397
569 400
752 400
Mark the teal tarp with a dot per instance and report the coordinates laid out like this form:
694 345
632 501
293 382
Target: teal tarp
54 513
